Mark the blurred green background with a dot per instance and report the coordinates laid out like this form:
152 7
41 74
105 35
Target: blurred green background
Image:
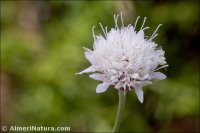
41 50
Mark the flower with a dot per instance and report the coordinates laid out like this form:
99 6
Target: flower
125 59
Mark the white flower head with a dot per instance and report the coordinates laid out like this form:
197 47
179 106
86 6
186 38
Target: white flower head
125 59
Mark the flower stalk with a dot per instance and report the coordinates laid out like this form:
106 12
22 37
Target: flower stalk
122 100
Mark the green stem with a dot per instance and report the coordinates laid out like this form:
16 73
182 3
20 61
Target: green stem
122 100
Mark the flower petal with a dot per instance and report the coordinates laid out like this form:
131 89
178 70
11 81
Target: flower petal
102 87
114 79
97 76
144 77
144 83
88 56
139 93
87 70
145 70
140 35
158 75
135 76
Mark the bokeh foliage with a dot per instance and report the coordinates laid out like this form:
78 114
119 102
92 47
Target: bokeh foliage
41 50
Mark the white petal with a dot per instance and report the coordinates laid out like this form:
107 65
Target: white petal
97 76
158 75
102 87
144 83
140 34
144 77
87 49
145 70
139 93
88 56
114 79
87 70
135 75
117 65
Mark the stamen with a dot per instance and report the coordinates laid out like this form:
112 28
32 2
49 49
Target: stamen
136 22
159 48
143 22
87 49
145 28
155 31
124 87
161 67
153 37
106 30
129 26
102 29
122 20
116 18
129 86
93 33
